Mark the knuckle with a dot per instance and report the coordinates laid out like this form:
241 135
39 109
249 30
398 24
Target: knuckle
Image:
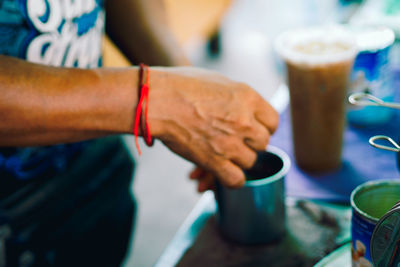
230 177
227 146
209 163
246 164
246 91
244 86
275 121
235 182
264 141
244 124
249 162
259 140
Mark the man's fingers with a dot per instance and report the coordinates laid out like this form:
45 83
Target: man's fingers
267 116
229 174
206 182
259 138
243 156
196 173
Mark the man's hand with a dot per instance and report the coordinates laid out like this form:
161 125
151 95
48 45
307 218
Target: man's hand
210 120
205 180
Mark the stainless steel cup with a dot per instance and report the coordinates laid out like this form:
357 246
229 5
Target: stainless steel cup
255 213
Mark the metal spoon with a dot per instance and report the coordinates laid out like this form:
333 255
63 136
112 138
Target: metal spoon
364 99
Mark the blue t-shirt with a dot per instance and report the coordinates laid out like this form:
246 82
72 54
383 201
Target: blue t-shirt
51 32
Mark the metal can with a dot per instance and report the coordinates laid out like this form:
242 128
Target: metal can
385 241
372 74
370 202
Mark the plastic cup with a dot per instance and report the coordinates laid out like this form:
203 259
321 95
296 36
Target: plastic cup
319 61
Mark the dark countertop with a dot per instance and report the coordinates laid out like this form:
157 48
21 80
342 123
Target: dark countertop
314 229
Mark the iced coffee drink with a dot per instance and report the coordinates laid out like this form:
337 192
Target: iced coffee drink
319 61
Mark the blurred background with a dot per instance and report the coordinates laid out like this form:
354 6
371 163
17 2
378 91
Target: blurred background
234 37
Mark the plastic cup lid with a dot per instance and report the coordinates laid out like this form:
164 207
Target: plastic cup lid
385 241
317 45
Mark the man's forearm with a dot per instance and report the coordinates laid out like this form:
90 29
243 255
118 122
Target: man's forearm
206 118
46 105
139 28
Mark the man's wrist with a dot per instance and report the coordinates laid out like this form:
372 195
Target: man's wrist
157 98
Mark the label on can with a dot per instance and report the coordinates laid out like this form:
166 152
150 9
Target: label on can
361 231
376 224
372 75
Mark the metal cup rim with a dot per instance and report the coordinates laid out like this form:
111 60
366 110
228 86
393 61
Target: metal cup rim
364 187
277 176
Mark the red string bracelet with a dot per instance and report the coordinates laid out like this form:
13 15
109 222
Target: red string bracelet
145 125
144 75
